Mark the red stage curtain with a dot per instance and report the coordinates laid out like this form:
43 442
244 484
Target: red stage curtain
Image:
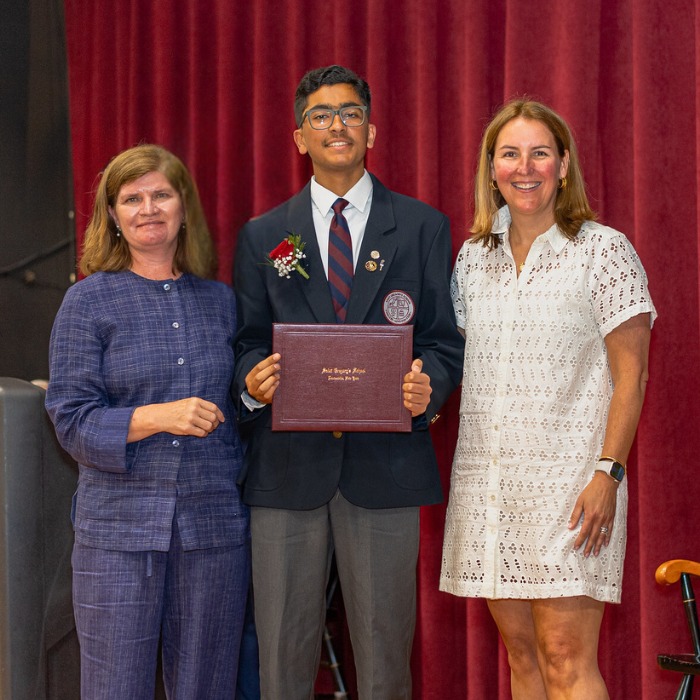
213 80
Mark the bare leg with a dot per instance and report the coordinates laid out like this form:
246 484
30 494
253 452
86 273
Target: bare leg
517 628
567 631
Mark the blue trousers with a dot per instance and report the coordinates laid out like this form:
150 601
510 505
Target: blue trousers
248 662
124 602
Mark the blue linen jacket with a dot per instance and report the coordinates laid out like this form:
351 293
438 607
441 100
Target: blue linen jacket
120 341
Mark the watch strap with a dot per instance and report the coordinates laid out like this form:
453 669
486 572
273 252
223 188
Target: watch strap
614 469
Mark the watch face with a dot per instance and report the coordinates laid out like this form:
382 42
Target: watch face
617 471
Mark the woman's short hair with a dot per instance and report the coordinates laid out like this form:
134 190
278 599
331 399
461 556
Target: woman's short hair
104 250
571 207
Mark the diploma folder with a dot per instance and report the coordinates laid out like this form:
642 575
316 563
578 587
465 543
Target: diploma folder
342 377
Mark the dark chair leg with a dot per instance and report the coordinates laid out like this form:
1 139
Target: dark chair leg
691 611
685 692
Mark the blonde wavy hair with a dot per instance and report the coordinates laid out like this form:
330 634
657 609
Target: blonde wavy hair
571 207
104 251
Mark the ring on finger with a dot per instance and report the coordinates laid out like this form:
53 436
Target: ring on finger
604 530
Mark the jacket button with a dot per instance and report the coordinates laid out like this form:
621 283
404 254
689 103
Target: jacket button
337 434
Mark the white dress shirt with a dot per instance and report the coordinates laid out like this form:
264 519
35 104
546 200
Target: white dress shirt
356 213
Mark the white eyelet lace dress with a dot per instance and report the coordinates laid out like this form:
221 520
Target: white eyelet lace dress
535 396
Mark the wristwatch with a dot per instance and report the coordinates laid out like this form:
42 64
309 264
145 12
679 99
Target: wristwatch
611 467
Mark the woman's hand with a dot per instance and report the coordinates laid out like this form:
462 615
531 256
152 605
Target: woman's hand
597 503
192 416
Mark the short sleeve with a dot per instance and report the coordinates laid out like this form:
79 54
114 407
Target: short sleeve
618 283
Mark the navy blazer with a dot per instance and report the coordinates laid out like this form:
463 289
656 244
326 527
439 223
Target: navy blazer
303 470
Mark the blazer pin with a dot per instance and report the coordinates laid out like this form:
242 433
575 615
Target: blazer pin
370 266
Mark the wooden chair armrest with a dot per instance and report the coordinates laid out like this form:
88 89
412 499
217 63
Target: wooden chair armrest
670 571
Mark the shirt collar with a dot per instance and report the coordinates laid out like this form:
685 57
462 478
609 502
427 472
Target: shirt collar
556 239
358 195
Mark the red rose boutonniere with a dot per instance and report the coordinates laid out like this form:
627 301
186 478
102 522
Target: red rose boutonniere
287 255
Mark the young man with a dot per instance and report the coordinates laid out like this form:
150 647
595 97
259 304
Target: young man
356 494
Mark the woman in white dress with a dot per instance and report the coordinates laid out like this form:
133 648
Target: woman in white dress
557 318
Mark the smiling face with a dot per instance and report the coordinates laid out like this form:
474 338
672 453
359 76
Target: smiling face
527 168
337 153
149 212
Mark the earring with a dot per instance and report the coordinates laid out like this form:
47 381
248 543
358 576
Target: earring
493 185
562 183
119 231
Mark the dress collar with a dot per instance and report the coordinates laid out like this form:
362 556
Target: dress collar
553 235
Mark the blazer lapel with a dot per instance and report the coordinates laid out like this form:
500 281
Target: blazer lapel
315 289
379 246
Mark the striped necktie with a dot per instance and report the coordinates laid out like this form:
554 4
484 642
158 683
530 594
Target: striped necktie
340 267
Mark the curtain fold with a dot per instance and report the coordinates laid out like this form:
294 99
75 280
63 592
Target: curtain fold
214 81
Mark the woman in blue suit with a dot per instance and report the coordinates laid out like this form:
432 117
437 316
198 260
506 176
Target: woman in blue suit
141 362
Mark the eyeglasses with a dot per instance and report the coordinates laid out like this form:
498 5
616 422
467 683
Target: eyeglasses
323 118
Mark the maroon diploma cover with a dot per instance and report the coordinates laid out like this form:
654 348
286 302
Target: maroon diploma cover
342 377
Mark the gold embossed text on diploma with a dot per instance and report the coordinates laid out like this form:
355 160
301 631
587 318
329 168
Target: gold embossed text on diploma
342 377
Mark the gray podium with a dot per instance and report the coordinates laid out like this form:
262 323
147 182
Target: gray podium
39 655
